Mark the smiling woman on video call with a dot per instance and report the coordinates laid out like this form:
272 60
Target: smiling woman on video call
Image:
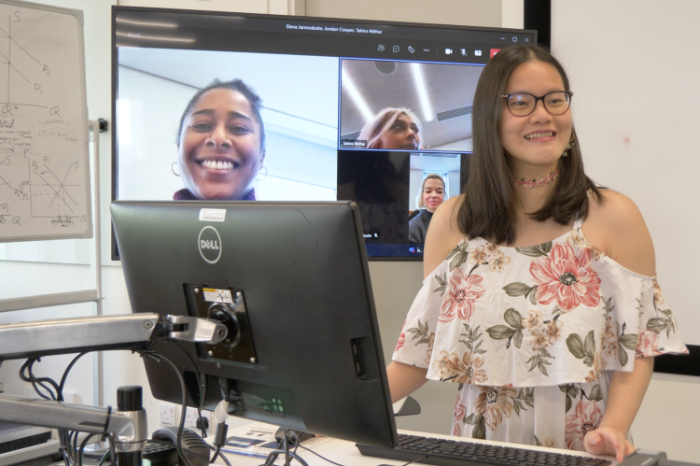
221 143
393 128
540 297
431 195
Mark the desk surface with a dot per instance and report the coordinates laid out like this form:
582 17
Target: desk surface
346 454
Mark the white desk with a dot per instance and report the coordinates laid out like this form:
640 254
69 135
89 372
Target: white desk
339 451
347 454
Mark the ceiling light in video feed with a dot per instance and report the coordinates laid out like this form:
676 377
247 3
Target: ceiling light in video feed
140 36
357 97
426 108
144 23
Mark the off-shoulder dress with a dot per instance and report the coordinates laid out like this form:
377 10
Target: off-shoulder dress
532 336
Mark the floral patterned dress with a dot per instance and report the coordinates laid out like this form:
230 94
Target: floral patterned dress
532 336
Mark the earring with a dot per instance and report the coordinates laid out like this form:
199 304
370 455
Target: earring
264 176
172 169
571 143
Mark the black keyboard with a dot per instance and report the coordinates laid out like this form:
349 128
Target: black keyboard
443 452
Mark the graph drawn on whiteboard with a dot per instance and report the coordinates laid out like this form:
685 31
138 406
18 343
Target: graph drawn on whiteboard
44 173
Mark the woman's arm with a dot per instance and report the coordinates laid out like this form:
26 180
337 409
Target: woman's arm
617 228
625 395
404 379
442 236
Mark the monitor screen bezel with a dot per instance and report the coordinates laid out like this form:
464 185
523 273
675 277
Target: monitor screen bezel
340 21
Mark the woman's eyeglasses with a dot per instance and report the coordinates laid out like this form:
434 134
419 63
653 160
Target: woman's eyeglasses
522 104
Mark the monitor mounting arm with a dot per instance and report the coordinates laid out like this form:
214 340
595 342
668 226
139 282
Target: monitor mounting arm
73 335
95 333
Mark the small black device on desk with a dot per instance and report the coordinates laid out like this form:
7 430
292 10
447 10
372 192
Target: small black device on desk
158 453
161 450
193 445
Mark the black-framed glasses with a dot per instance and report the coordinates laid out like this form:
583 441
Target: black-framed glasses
522 103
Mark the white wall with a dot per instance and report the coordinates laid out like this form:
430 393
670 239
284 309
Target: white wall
634 75
512 14
461 12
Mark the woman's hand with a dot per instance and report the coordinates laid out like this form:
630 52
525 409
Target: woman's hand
608 441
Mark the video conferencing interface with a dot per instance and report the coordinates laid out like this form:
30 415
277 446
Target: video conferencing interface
298 109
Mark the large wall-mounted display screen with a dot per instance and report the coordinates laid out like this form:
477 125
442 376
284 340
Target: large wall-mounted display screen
218 106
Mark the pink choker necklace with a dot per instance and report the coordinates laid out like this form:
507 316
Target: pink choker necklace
538 182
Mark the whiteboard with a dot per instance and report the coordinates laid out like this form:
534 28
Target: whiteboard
44 169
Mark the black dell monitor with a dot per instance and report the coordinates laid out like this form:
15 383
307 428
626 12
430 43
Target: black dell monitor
349 109
291 282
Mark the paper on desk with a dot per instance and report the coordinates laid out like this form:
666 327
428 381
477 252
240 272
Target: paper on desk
258 440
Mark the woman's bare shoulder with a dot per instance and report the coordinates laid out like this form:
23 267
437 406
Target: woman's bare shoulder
614 212
443 235
615 226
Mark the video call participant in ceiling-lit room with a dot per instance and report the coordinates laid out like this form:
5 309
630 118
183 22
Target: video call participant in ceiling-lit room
431 195
437 99
221 144
393 128
551 339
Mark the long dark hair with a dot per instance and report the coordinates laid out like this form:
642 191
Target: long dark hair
489 207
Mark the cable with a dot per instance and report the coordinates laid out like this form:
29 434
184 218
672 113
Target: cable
283 449
322 457
417 459
296 439
201 381
69 439
181 427
26 374
72 456
66 460
65 374
73 439
217 450
218 453
202 393
272 457
79 458
29 377
112 450
41 380
189 356
223 457
62 449
104 458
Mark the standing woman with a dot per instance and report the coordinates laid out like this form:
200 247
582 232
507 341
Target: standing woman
431 195
221 143
540 296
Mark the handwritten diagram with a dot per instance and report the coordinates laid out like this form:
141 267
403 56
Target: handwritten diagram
23 73
44 182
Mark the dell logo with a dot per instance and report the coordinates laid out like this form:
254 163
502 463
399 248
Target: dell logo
206 244
209 244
